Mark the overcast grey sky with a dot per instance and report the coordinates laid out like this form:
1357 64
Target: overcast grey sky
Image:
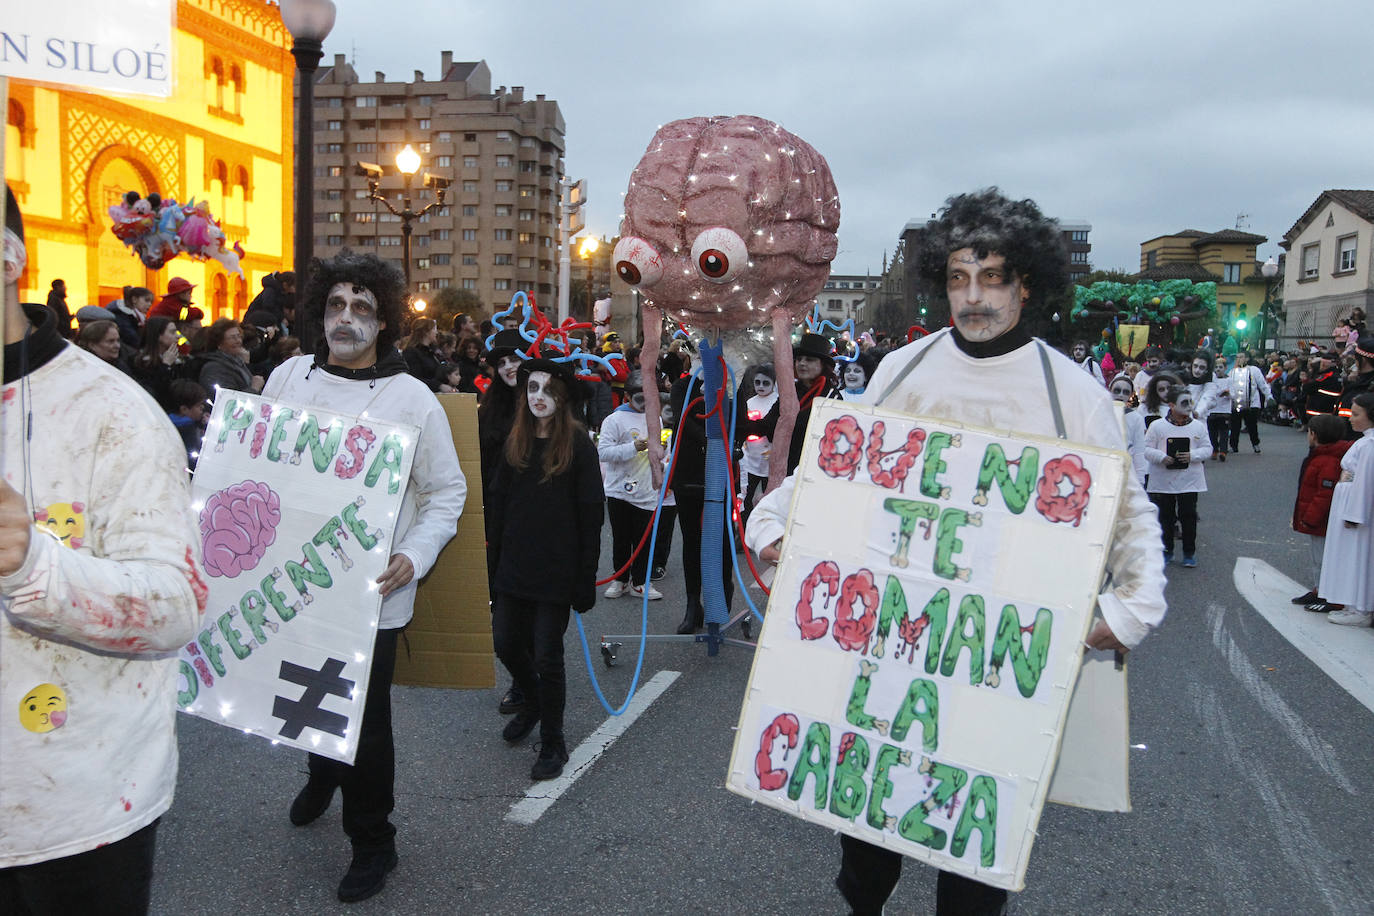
1141 119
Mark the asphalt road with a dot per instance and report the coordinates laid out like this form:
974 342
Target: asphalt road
1250 784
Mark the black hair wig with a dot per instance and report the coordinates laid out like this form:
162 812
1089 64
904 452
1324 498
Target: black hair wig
382 278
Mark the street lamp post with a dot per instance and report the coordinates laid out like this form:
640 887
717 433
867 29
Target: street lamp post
1269 269
588 248
407 163
309 22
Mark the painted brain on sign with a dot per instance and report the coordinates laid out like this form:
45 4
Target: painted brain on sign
237 525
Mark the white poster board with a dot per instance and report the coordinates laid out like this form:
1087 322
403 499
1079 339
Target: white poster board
924 634
123 47
297 510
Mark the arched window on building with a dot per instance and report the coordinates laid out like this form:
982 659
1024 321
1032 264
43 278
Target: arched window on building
219 298
238 213
216 83
219 188
237 84
239 287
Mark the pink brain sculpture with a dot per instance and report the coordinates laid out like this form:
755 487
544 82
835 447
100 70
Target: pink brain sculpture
730 222
237 526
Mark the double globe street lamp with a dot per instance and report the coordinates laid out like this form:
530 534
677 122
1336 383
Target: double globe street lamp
407 163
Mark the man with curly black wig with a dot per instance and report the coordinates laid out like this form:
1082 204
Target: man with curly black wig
356 370
996 261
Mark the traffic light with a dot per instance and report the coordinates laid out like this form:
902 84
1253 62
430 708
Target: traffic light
1241 322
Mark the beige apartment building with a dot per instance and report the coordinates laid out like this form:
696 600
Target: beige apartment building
1330 246
498 230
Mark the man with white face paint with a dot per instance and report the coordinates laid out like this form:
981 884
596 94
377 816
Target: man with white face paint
356 370
1084 357
992 257
630 494
1177 448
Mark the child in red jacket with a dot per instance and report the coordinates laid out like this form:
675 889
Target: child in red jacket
1321 469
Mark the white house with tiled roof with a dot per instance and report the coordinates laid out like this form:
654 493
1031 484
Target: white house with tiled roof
1330 263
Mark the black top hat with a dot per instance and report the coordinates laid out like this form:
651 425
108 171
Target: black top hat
506 343
545 363
813 345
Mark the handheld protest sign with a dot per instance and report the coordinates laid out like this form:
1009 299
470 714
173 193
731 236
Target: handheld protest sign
297 510
924 634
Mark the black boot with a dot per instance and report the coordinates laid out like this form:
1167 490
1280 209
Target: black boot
513 701
553 753
311 802
522 724
366 873
693 619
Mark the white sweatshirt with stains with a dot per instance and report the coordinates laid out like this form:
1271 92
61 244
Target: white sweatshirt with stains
110 588
437 490
1009 392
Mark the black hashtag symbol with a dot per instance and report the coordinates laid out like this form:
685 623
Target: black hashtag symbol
298 714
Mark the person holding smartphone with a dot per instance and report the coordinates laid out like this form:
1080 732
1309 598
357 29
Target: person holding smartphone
1177 449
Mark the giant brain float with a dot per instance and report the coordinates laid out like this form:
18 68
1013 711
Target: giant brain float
730 222
237 526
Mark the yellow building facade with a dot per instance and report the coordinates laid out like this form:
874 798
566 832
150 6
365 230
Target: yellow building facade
1226 258
225 135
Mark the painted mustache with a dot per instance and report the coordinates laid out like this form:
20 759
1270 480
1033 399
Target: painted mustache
347 333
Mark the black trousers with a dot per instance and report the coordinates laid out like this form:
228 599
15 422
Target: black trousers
113 880
628 522
1218 431
1250 416
529 641
368 785
868 874
663 540
691 503
1183 508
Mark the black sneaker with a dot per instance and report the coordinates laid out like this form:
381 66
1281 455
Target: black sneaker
366 874
512 702
524 722
311 802
552 755
1308 598
658 573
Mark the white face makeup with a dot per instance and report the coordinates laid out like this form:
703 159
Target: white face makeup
763 386
636 402
854 376
1121 391
1199 367
541 400
1080 354
351 326
507 367
1183 407
807 368
985 300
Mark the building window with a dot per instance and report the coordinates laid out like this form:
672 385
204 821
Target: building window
335 102
502 260
502 284
1078 235
1076 257
469 260
364 147
329 147
527 190
335 125
421 241
469 162
334 240
1230 273
503 235
390 218
389 241
469 283
469 137
445 136
503 136
469 210
469 187
424 124
1345 254
503 209
422 263
1151 258
336 171
423 286
504 162
338 217
441 234
526 238
526 216
443 162
364 217
505 186
331 194
425 146
527 165
442 260
366 101
442 283
469 235
834 304
368 242
1311 255
445 210
526 264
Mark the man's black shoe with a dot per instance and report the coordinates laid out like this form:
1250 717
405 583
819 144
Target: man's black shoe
366 875
1308 598
552 755
524 722
513 701
311 802
658 573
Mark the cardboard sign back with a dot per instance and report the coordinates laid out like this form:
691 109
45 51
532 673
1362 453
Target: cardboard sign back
448 641
924 634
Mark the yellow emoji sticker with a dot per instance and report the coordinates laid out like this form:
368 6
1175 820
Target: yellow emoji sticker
65 521
43 708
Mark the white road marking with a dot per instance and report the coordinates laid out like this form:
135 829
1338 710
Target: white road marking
1346 654
1247 673
541 796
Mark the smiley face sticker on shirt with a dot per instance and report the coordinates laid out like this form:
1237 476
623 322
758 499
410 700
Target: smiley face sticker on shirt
43 708
64 521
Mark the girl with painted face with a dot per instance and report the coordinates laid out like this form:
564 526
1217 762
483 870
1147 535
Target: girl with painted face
544 542
496 409
1177 449
854 377
1123 392
756 445
623 447
1157 388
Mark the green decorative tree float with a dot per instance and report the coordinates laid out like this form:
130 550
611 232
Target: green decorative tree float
1145 313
